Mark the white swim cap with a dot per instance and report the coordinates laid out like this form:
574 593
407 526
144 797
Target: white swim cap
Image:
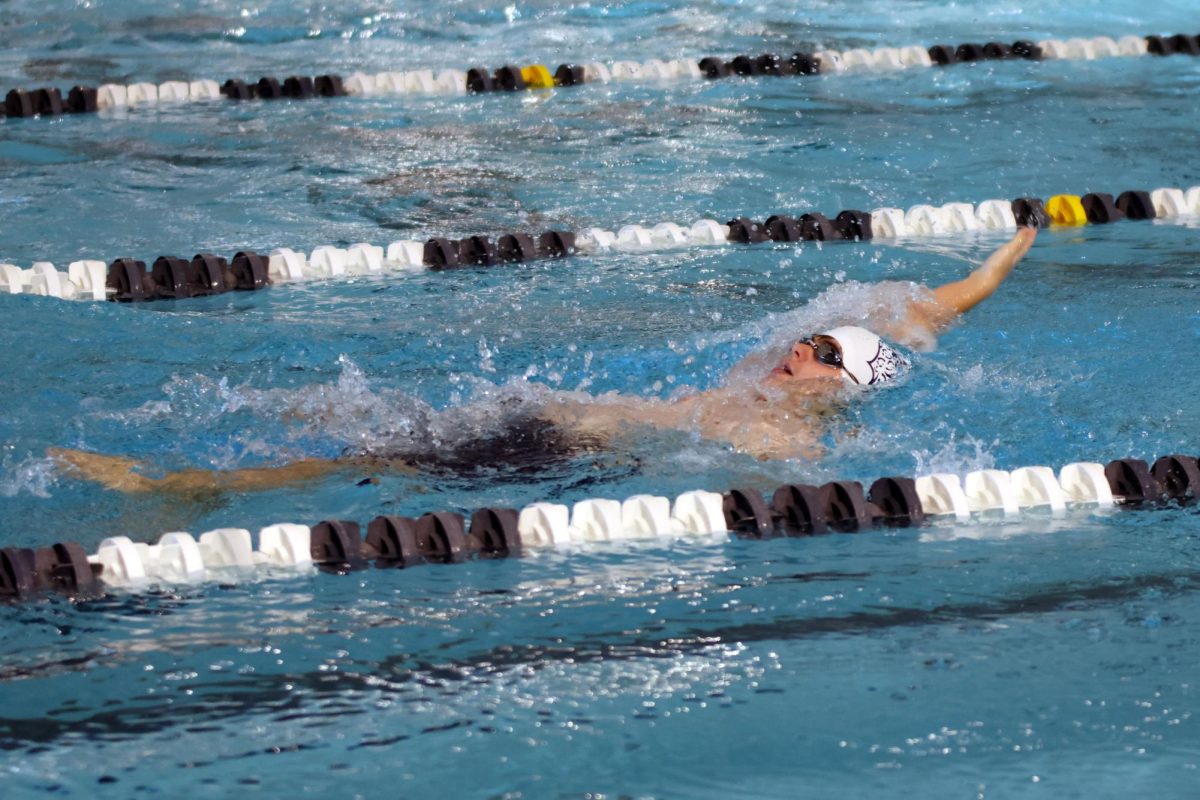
867 359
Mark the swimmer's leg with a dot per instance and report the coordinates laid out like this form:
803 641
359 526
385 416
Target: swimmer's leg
118 473
112 472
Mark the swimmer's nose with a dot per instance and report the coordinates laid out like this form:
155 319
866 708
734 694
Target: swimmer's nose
800 350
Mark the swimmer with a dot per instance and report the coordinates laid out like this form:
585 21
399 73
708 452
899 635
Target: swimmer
769 409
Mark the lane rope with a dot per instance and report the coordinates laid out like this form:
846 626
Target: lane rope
130 280
50 101
794 510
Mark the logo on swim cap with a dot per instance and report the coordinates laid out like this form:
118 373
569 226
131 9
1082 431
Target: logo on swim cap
885 365
867 359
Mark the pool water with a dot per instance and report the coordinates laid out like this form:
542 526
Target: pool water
1037 656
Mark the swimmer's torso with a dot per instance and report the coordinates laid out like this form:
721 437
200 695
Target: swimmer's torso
762 423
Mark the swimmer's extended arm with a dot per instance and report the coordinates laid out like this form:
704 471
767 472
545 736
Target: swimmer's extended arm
959 297
120 474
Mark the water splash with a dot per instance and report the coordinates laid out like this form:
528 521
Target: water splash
34 476
953 456
350 413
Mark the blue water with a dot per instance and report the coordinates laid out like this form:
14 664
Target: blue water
1035 657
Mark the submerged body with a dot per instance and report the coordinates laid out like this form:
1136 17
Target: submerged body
771 405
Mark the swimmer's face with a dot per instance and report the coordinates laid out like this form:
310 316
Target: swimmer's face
812 359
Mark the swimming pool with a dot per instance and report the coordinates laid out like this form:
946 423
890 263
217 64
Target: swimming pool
1002 657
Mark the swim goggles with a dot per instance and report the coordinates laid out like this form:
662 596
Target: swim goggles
828 352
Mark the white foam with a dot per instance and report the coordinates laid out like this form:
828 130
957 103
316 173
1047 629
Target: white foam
32 476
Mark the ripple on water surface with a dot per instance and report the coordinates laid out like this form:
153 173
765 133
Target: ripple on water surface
999 658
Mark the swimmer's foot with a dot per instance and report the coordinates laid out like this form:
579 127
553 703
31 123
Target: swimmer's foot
111 472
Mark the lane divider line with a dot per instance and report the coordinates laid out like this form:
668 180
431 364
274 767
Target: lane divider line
168 277
794 510
50 102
